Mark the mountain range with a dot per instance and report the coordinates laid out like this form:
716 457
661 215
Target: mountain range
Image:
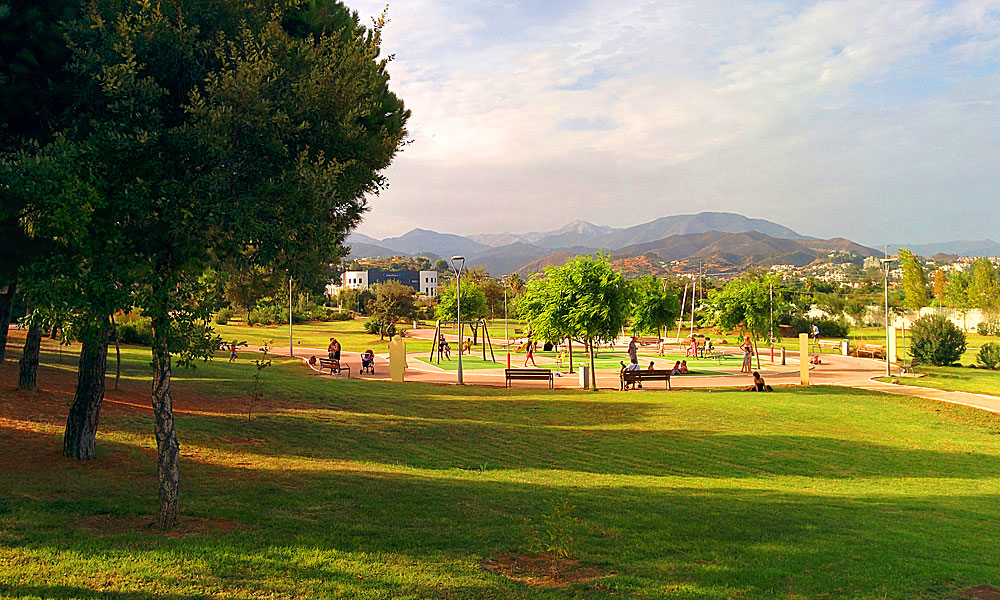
724 240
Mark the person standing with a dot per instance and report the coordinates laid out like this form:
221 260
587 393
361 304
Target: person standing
747 353
633 351
333 350
530 349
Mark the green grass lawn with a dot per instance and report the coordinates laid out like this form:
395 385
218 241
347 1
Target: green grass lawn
365 489
876 335
957 379
351 335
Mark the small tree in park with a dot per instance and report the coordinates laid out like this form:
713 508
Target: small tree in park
914 281
936 340
746 304
473 302
655 306
393 301
983 288
546 313
597 300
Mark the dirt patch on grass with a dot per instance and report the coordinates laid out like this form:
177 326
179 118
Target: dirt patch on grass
541 571
105 525
980 592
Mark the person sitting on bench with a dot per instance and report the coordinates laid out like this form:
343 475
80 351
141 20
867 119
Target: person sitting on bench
758 384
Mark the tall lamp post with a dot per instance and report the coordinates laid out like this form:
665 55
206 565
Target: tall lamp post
458 263
506 337
886 263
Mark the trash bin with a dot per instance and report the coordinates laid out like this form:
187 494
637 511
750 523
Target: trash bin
584 377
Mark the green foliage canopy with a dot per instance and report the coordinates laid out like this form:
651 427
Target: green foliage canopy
655 306
936 340
915 294
473 302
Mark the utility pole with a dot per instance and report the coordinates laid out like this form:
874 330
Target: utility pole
886 263
291 349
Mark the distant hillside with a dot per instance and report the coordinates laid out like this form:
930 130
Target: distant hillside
576 233
538 265
360 238
698 223
715 250
840 245
706 237
420 241
957 248
363 250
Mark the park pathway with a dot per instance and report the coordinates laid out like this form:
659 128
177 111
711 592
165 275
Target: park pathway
846 371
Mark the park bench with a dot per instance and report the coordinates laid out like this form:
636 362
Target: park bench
335 366
872 350
830 344
528 375
640 375
908 368
648 341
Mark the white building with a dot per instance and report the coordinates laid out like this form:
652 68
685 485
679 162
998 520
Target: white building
421 281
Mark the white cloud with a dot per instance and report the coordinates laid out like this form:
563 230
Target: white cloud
809 115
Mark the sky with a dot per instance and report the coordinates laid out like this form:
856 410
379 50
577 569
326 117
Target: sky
878 121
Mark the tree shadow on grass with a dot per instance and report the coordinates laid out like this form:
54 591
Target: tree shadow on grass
400 534
451 444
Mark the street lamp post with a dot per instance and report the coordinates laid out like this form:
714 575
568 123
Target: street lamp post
886 262
458 263
506 337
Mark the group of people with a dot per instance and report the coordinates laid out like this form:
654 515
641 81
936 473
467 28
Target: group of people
445 348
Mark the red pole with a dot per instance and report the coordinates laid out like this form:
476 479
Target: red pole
508 359
772 354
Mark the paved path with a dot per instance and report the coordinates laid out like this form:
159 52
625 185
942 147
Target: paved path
847 371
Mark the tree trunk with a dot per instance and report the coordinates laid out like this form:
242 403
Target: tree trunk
80 439
569 341
6 307
29 359
593 374
168 450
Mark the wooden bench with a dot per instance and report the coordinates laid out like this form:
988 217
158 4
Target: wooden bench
872 350
648 341
831 344
528 375
908 368
640 375
335 366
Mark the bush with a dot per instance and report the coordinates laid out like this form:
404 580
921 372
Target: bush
989 327
138 332
265 314
936 340
222 317
989 355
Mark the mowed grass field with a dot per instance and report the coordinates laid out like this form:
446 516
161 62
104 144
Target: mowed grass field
363 489
959 379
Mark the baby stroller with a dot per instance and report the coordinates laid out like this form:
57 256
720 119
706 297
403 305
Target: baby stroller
368 362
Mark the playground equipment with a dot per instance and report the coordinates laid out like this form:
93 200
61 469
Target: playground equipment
436 346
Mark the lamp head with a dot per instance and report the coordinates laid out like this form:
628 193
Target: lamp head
458 263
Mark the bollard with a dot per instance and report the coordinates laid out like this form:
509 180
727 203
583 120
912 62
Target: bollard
782 356
397 359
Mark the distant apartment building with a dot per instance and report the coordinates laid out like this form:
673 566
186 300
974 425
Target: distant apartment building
421 281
